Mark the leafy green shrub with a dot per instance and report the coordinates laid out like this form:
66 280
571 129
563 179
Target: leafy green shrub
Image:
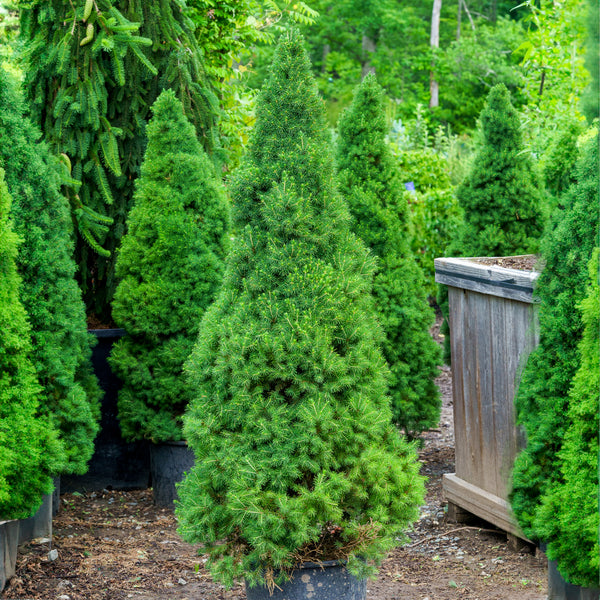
569 512
542 397
296 457
501 197
370 181
435 214
61 346
29 450
170 265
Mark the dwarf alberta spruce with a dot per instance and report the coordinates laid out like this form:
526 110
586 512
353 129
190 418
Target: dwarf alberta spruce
542 399
61 345
296 458
569 512
170 266
369 181
501 196
30 453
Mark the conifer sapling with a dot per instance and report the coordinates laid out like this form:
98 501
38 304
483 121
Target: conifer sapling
542 398
170 265
369 181
61 346
296 457
29 450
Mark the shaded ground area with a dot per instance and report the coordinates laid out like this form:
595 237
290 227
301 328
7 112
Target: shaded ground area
116 546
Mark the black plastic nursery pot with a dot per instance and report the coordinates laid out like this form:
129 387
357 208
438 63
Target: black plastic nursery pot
38 525
560 589
9 542
168 463
115 464
329 580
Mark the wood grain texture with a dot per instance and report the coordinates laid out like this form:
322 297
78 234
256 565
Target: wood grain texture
486 279
491 336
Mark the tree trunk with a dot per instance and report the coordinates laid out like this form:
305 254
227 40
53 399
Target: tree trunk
368 47
435 43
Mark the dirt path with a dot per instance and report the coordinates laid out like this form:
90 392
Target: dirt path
117 546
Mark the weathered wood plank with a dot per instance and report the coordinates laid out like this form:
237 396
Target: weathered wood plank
488 506
486 279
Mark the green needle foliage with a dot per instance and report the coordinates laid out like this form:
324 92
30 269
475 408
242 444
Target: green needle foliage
501 197
570 510
370 182
92 70
170 266
29 450
296 456
542 399
50 295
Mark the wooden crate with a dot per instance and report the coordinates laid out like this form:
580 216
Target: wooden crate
493 328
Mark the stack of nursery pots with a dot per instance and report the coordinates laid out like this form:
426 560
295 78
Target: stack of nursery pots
170 265
297 462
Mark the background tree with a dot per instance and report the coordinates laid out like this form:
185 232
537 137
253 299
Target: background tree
170 266
29 451
569 511
370 182
296 457
61 347
501 197
591 96
542 398
92 71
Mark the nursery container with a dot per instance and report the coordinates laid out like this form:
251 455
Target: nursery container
493 328
329 580
168 462
9 542
115 464
38 525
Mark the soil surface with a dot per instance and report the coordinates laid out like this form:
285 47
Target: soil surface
526 262
116 545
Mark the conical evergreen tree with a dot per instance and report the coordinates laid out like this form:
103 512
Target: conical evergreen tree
92 71
369 181
29 451
296 457
170 265
569 512
501 196
542 397
50 295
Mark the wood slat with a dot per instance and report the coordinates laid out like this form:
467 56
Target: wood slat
486 279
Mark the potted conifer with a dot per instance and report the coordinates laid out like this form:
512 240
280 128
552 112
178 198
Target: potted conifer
548 408
30 452
170 265
297 461
50 295
369 180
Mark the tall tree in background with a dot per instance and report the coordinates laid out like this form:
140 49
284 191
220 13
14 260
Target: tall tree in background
591 96
93 69
370 182
434 40
61 347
